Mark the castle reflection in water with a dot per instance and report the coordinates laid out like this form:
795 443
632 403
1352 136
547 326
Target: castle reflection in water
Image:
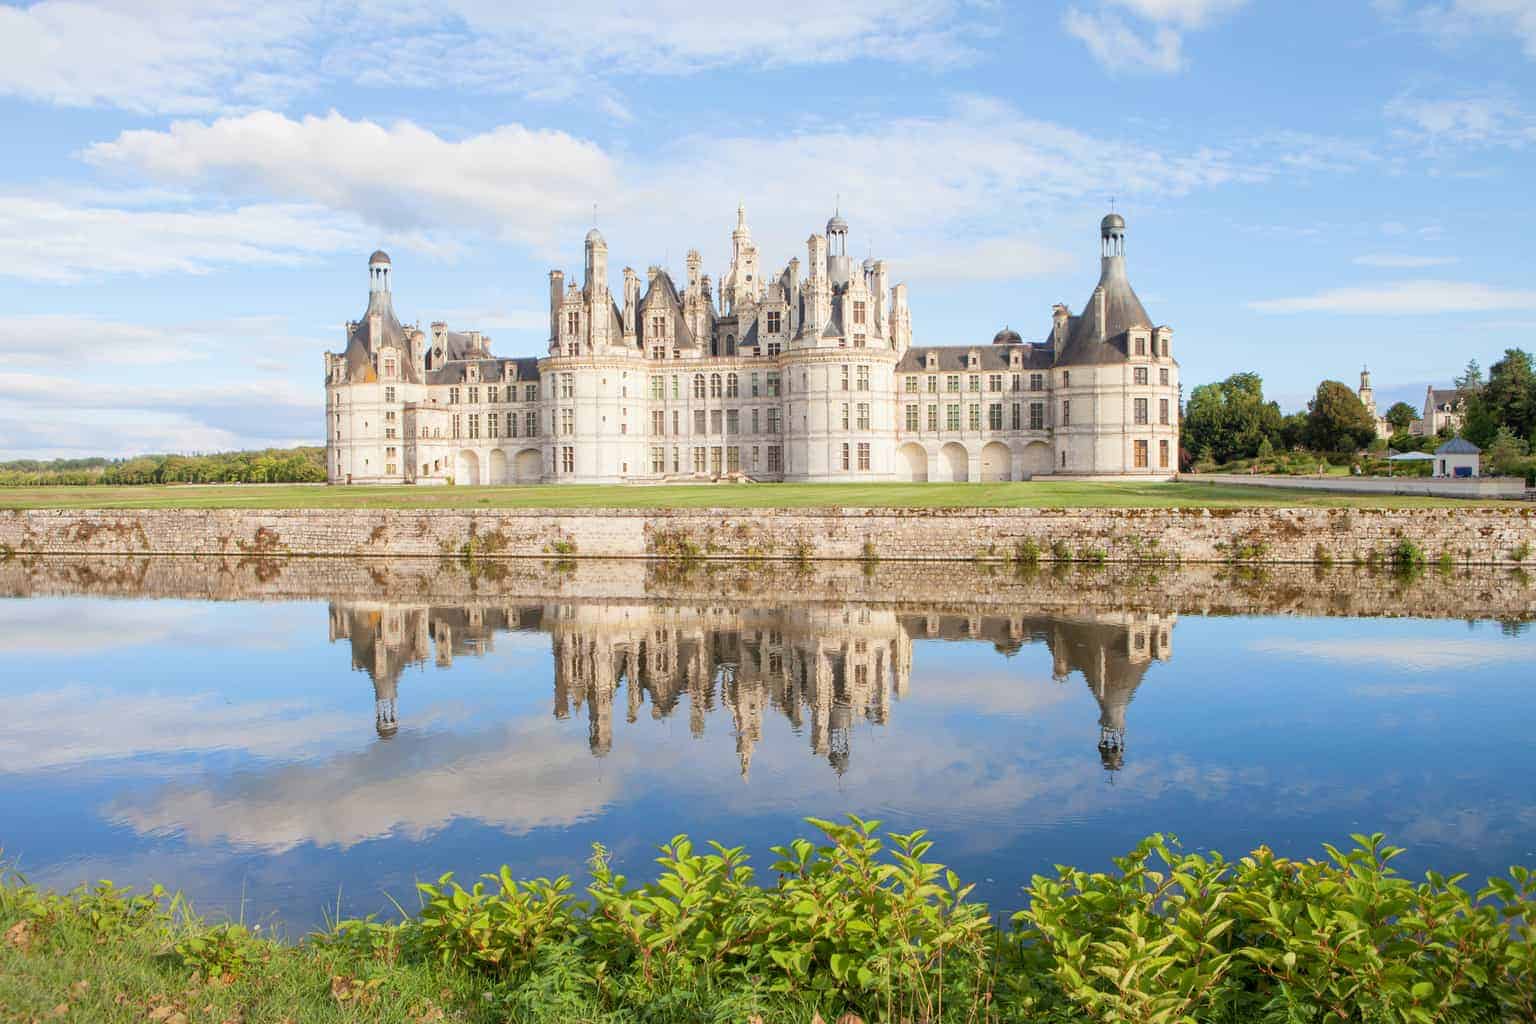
822 667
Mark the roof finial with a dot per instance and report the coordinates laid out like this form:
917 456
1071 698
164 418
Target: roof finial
1111 204
594 215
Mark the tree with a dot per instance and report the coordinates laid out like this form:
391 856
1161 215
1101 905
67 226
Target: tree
1231 418
1471 379
1510 394
1337 420
1293 431
1401 416
1506 455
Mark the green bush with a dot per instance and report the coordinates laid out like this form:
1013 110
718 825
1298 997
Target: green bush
856 922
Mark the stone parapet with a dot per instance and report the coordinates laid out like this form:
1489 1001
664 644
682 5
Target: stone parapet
1364 536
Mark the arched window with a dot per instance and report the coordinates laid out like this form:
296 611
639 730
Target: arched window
714 385
698 385
732 386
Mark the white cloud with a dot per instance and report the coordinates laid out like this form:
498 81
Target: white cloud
107 418
181 57
177 56
1154 45
1400 261
937 180
47 339
400 177
1405 298
1119 47
1462 20
1465 121
59 239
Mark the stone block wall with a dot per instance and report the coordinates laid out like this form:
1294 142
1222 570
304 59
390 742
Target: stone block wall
1367 536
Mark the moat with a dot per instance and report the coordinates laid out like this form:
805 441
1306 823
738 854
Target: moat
299 735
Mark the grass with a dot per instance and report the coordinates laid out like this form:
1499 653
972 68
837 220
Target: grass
1033 494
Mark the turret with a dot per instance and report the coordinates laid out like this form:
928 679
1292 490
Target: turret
901 319
556 296
818 300
631 305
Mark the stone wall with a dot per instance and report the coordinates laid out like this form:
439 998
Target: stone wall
1482 487
1002 589
1367 536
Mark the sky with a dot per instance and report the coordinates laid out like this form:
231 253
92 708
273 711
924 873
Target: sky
191 189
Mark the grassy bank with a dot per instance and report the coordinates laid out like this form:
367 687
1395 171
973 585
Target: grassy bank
1032 494
852 923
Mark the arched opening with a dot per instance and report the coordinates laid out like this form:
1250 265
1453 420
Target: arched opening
466 469
528 467
1035 460
912 463
996 462
954 462
498 474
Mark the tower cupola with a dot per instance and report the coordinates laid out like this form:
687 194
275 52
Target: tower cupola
1112 235
378 272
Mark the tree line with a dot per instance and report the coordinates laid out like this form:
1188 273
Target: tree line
304 464
1231 420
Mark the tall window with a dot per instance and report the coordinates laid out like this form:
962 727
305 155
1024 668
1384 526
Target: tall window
698 385
567 459
567 385
933 384
715 423
846 450
453 396
864 456
659 327
995 416
775 462
1018 416
994 382
567 421
1140 449
491 392
1141 346
1162 375
1066 412
658 351
1162 454
951 417
389 394
1141 411
572 323
1036 415
912 417
844 376
492 424
858 312
457 425
773 321
1162 411
698 460
756 421
974 382
933 417
714 385
658 460
1139 375
845 416
732 386
863 420
530 392
389 367
658 388
773 422
975 417
474 424
863 378
531 423
952 382
698 421
474 396
658 422
733 421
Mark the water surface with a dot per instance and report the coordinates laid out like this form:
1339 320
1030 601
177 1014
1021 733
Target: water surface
290 757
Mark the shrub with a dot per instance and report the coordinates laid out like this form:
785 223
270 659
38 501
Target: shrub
1026 551
1407 555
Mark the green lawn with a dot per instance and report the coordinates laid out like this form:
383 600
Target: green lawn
1034 494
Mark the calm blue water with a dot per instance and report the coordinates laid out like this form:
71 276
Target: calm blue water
294 756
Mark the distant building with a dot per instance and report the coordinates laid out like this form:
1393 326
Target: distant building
813 378
1445 409
1458 457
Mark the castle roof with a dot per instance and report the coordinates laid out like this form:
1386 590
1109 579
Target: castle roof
1098 334
989 357
364 343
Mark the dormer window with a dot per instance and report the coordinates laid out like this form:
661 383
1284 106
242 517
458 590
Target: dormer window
1141 346
389 367
773 322
573 323
858 312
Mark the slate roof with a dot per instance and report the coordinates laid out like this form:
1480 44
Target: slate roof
1445 396
362 346
1458 446
662 289
952 358
457 372
1098 334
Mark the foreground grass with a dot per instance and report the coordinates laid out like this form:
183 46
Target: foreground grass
1032 494
858 924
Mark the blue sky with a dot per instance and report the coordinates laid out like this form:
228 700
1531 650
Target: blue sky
190 190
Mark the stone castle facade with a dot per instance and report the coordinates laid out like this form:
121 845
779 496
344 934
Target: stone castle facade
783 377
